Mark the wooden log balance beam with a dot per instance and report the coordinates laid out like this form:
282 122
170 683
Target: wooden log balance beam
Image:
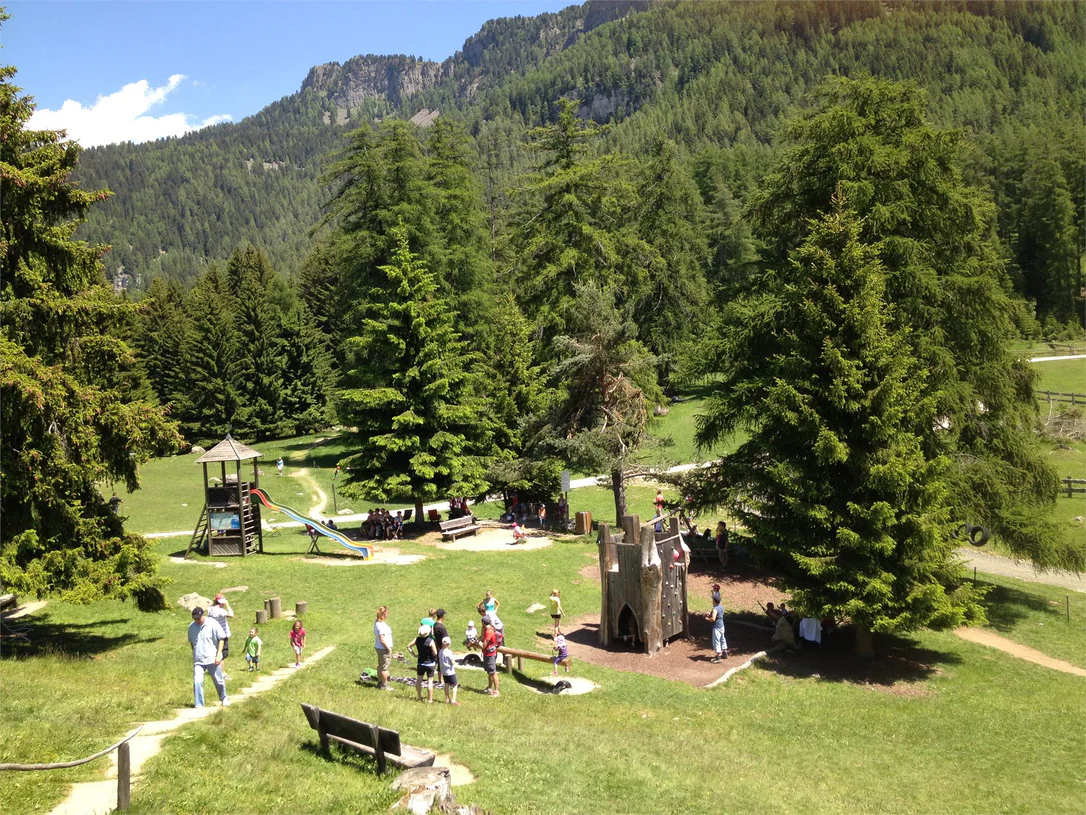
522 655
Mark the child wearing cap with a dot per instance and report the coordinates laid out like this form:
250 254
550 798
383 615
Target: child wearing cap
448 670
424 650
471 635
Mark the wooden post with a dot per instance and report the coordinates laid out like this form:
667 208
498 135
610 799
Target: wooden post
276 606
261 617
520 664
124 777
300 608
378 753
651 580
1067 598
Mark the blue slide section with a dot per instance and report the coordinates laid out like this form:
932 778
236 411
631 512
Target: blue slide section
328 532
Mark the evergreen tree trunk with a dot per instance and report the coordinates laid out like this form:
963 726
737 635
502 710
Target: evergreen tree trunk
618 487
864 645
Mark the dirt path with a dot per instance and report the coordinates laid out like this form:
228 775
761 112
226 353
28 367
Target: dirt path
1004 566
982 636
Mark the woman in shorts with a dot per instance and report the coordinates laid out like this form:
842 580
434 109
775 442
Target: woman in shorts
425 651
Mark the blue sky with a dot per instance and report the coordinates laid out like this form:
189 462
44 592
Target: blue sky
115 71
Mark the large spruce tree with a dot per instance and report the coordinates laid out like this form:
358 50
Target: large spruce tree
868 142
834 481
406 390
575 224
72 422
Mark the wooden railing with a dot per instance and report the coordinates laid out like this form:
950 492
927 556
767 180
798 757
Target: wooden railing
124 767
1053 396
1070 488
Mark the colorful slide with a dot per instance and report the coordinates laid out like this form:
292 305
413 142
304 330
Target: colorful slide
328 532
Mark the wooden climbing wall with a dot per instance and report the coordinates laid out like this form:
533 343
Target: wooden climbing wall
673 617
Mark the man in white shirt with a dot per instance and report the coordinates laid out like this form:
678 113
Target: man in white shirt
382 644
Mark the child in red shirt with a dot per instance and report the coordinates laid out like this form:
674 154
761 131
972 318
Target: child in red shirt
297 640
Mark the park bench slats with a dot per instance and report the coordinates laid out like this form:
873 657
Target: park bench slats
458 526
384 745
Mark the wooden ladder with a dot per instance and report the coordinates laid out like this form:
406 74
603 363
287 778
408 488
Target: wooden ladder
248 521
200 533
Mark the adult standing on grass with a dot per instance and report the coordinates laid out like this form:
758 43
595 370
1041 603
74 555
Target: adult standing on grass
440 631
490 657
220 612
206 639
488 604
425 651
716 617
382 643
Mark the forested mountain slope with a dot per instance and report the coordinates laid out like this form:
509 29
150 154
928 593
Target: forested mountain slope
717 77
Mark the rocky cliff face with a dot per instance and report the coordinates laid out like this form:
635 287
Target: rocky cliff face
371 77
397 78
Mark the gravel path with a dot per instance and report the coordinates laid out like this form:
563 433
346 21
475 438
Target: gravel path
1005 567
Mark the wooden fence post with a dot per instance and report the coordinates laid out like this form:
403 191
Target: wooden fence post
124 777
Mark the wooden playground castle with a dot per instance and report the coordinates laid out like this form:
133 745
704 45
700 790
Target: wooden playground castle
229 524
643 584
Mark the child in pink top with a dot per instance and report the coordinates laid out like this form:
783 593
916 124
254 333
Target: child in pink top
297 640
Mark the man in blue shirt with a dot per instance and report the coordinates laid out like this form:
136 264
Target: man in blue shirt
206 639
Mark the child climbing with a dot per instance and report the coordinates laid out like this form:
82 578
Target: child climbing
561 653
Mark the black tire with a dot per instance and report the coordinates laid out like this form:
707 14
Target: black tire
962 529
978 535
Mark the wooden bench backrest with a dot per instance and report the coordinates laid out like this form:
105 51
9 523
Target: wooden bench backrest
351 729
455 523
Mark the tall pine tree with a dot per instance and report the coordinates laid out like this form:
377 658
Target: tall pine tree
868 142
834 480
68 383
406 390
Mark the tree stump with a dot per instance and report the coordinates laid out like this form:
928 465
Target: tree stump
425 789
261 617
300 608
275 605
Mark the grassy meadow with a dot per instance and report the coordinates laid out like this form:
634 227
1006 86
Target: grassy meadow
935 738
931 727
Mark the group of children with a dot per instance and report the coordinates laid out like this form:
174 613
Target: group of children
254 646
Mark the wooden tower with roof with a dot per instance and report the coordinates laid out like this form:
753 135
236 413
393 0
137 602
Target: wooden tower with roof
230 522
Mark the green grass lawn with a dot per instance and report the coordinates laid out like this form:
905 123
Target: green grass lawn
935 744
1064 376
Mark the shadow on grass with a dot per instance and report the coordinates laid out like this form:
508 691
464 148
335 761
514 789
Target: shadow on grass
897 660
340 755
79 640
1006 606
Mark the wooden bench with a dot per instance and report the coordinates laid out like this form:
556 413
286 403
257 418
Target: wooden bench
459 526
369 739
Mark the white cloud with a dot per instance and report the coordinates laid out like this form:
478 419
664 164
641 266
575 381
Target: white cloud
121 116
